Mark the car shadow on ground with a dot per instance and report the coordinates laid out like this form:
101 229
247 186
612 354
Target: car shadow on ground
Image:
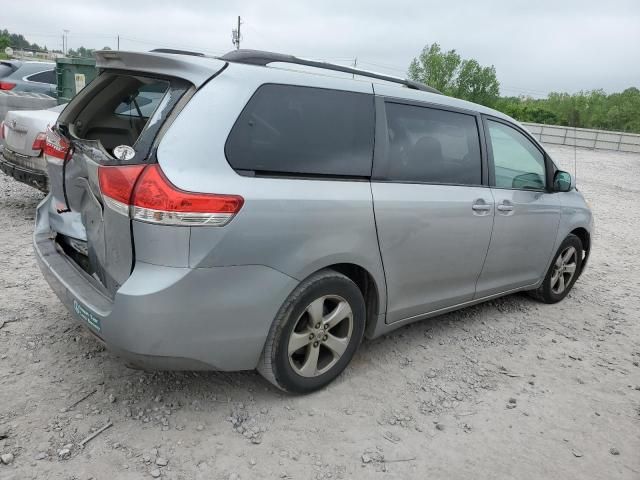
409 340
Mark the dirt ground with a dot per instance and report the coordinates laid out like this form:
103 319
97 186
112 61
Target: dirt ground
508 389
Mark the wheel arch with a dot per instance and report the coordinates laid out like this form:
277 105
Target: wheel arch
585 238
367 285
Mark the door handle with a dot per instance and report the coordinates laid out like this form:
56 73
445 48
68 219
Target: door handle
478 207
504 207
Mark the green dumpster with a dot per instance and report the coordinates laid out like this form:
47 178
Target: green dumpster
73 74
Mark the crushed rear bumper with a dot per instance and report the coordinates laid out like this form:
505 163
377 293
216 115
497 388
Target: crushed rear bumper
170 318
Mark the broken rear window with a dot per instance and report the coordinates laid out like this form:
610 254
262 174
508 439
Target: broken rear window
123 109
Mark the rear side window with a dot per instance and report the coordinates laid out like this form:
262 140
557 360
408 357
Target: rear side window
304 130
5 70
427 145
43 77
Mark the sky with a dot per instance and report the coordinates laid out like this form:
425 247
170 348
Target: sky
536 46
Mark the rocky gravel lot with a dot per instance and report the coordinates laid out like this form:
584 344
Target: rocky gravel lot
509 389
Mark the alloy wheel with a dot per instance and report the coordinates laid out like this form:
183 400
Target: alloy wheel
564 270
321 335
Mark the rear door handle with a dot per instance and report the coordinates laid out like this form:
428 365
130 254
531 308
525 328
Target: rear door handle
478 207
503 207
481 207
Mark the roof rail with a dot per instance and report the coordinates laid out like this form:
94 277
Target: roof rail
177 52
259 57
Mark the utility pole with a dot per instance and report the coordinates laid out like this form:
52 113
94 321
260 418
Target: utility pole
355 65
65 42
118 43
235 35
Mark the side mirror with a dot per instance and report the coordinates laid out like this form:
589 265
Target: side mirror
561 181
528 181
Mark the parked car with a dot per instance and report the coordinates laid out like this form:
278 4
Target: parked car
266 218
24 136
7 67
35 77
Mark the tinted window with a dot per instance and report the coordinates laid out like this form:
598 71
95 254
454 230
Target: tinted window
432 146
517 161
5 70
304 130
43 77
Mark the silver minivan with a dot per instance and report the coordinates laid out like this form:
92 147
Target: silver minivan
261 211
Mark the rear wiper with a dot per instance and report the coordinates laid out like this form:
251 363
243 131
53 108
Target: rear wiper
135 103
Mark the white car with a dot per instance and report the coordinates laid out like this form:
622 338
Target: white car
24 136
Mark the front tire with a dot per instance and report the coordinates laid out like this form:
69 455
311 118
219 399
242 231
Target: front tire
563 272
315 334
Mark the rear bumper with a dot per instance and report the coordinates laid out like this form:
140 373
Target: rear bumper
32 177
171 318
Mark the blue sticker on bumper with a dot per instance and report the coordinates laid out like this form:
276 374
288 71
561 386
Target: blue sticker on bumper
85 314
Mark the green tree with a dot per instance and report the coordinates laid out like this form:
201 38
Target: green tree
449 73
18 41
81 52
585 109
4 42
477 83
436 68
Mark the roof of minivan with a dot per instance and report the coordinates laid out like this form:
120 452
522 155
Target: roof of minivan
396 91
199 68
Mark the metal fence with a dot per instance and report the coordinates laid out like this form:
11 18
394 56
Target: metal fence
585 137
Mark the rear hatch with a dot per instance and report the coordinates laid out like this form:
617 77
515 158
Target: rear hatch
116 121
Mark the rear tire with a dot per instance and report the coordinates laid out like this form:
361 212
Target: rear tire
563 272
315 334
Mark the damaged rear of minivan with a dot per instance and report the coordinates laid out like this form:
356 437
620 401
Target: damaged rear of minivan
121 112
104 176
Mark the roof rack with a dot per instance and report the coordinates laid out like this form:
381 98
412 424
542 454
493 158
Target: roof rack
259 57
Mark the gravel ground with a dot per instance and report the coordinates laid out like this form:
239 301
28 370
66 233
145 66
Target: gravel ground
508 389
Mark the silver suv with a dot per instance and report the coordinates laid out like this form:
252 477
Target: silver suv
260 211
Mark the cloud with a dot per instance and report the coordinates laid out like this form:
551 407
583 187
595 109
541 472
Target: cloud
536 47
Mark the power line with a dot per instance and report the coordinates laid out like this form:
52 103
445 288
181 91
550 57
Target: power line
36 34
388 67
264 38
256 33
167 45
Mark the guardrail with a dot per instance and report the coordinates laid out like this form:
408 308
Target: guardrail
585 137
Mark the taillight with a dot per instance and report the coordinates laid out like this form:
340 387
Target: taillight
40 141
56 146
7 85
147 195
2 130
116 185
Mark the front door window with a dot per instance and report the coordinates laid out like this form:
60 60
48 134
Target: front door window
518 163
